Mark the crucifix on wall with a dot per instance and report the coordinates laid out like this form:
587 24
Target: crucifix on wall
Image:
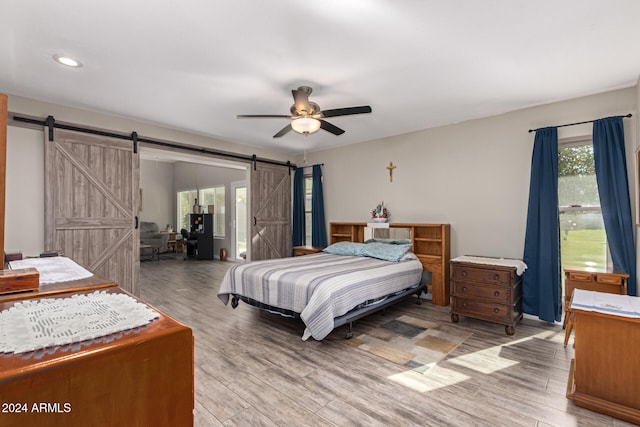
391 167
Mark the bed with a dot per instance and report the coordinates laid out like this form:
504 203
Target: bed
345 282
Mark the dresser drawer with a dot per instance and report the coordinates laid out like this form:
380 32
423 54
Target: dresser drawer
580 277
608 279
482 275
486 310
598 283
499 294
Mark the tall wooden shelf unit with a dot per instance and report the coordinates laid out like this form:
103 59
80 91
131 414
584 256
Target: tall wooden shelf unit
431 244
202 226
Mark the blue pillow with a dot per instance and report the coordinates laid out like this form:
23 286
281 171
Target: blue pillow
345 248
386 251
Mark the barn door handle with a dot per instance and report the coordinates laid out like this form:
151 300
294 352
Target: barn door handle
136 223
255 221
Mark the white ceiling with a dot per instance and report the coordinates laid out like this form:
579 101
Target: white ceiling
196 64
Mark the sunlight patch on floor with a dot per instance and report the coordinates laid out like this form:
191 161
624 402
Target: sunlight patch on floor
489 360
484 361
434 378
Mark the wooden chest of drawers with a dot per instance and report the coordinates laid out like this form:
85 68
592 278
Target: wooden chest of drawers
612 282
486 292
608 281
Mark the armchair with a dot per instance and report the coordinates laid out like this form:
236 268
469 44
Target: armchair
150 235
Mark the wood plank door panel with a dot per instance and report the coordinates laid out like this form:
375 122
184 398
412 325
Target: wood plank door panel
91 203
270 212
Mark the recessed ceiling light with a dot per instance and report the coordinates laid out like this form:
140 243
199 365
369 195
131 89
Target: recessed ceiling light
65 60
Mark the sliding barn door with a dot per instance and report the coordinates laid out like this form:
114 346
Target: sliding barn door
270 212
91 203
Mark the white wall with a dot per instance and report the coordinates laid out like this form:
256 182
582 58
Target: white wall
473 175
24 207
156 183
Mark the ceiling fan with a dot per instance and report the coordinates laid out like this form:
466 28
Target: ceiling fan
307 117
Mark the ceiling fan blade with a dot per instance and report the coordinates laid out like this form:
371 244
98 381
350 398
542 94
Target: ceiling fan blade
262 116
331 128
346 111
283 131
301 99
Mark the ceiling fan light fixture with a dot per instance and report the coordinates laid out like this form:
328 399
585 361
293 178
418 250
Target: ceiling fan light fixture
305 125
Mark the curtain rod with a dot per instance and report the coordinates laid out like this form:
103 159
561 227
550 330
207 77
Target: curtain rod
50 122
573 124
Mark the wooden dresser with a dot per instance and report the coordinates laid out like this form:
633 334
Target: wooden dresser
139 378
486 292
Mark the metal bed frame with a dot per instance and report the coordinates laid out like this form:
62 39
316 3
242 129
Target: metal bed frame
360 311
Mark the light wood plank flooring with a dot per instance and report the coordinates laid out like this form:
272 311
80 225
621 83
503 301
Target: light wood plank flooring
253 369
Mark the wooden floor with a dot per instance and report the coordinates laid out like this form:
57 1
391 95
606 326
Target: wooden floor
253 369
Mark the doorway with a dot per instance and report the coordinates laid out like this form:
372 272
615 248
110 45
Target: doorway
239 221
172 181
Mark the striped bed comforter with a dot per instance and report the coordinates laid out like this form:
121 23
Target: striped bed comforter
320 287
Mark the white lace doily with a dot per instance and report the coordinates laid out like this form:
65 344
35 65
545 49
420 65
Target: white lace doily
519 265
35 324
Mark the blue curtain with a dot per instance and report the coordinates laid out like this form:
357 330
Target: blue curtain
298 232
611 174
318 225
541 291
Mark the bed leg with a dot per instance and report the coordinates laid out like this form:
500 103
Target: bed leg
350 333
419 300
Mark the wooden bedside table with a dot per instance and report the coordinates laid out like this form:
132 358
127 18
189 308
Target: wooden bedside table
609 281
306 250
604 372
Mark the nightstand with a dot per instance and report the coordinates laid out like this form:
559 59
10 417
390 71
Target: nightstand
608 281
306 250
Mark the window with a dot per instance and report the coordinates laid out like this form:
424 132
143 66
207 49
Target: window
186 200
307 208
215 196
583 242
240 221
206 196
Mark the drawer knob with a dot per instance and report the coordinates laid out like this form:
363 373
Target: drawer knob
464 289
496 276
496 310
464 273
464 304
496 294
